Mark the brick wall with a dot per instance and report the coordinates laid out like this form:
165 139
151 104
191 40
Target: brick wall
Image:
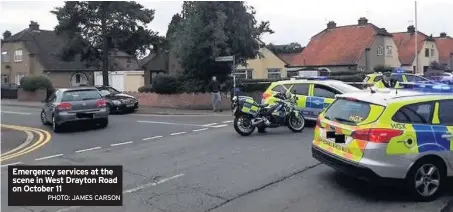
38 95
197 101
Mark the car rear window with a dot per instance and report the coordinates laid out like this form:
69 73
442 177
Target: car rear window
353 112
80 95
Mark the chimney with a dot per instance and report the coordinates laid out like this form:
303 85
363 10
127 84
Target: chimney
443 35
363 21
411 29
33 26
331 25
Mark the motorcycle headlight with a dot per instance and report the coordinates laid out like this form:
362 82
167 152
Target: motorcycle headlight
116 102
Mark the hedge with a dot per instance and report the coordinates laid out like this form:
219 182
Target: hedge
33 83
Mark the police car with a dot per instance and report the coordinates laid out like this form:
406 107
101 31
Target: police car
314 93
398 76
392 135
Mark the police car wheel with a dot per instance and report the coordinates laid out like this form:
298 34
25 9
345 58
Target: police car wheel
426 179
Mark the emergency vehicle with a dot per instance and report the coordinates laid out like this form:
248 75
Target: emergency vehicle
314 93
391 135
396 77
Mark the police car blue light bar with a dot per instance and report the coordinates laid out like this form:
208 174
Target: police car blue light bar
427 87
399 70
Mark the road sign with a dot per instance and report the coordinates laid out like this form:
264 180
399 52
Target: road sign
224 59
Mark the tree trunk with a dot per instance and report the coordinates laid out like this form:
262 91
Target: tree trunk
105 48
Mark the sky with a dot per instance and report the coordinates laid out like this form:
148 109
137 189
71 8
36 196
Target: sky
292 21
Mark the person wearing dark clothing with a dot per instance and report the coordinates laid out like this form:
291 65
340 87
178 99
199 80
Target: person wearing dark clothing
214 88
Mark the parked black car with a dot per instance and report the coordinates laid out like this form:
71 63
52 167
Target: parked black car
117 101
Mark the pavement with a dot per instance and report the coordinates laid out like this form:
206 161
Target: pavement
199 163
141 110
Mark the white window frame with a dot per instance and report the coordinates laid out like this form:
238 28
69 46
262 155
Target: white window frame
380 50
274 71
18 77
17 56
244 72
432 53
5 55
388 50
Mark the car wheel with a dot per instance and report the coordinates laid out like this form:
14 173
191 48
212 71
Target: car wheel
109 109
104 123
56 128
44 118
426 179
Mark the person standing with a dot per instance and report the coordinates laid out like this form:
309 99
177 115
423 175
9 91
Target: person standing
214 88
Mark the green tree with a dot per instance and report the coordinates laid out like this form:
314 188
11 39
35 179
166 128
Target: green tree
6 34
95 27
285 49
210 29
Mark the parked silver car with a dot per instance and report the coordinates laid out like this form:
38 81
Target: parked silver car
70 105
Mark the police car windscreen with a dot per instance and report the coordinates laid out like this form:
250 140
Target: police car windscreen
351 112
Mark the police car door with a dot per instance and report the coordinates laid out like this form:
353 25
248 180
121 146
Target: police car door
302 92
417 122
444 130
322 97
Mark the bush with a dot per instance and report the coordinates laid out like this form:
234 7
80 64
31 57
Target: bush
166 84
33 83
146 89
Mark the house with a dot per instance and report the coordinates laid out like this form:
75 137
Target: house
158 62
362 46
444 45
269 66
426 49
34 51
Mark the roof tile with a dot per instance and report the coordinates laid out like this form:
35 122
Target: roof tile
405 42
445 47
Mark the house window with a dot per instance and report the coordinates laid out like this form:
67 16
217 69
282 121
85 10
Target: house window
79 79
128 63
18 55
426 52
388 50
19 76
5 57
244 74
432 52
380 50
274 73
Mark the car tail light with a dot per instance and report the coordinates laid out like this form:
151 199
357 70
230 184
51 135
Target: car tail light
266 95
64 106
101 103
376 135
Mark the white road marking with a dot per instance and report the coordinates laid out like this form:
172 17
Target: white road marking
208 125
69 208
169 123
84 150
222 125
13 112
202 129
178 133
226 122
117 144
151 184
154 137
178 115
10 164
48 157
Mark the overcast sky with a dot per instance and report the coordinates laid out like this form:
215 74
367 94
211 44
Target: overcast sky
292 21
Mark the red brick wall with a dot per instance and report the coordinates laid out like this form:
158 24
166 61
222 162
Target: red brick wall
197 101
38 95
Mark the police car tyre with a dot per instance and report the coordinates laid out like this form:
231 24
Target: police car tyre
239 125
291 124
426 179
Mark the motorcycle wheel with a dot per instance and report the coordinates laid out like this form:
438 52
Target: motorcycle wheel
296 124
243 125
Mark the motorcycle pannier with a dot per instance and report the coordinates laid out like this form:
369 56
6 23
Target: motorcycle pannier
250 106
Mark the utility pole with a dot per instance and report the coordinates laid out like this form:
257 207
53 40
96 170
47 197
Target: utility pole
105 46
416 42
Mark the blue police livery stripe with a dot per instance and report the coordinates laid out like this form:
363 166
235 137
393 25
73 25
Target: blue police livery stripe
429 138
315 102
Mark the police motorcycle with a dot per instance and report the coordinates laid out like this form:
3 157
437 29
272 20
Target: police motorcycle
250 114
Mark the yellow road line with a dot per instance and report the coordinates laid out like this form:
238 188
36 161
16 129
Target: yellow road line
44 137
